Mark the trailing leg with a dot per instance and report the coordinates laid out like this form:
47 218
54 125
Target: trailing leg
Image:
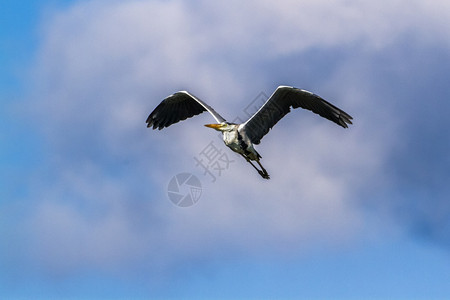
262 172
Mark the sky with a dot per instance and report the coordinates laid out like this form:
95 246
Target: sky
85 208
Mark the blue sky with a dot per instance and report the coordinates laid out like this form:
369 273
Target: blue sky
350 214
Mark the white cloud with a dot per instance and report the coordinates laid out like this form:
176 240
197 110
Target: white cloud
103 66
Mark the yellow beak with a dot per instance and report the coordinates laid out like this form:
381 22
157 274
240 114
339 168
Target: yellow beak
215 126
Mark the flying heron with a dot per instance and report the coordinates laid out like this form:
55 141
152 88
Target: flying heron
241 137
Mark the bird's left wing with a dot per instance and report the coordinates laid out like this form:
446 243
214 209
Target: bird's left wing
178 107
279 104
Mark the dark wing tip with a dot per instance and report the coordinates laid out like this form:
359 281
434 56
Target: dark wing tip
175 108
322 107
149 121
345 119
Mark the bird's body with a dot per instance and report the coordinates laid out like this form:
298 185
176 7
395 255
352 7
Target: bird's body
234 140
239 142
241 137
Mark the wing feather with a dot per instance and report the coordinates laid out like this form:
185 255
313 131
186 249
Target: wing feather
179 107
280 103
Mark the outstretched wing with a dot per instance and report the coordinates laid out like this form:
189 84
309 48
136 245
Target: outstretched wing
178 107
280 103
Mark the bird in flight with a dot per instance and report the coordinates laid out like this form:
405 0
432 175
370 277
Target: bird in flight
241 138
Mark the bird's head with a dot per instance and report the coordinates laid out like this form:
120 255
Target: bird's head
222 126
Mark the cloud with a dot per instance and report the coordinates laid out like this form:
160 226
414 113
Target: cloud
104 66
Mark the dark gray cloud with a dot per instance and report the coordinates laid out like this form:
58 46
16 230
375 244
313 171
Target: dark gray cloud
420 164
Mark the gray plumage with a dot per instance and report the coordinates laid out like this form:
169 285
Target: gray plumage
280 103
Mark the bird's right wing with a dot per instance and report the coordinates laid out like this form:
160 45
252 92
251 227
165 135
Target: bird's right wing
280 103
178 107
